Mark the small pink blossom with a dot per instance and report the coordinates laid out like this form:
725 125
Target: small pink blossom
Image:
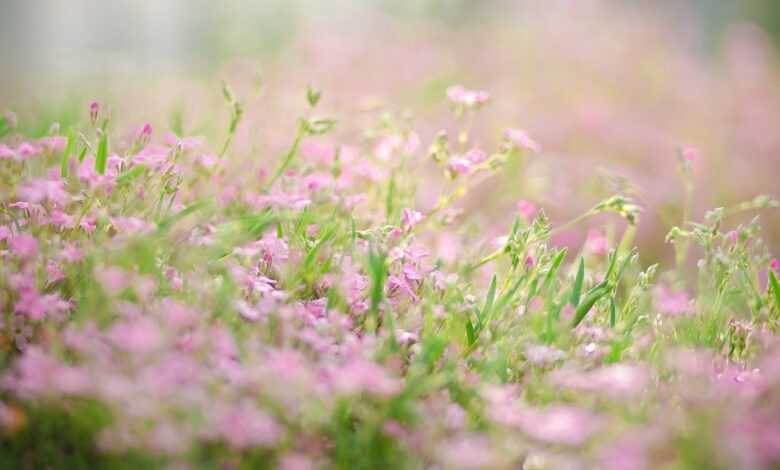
559 424
690 154
361 375
410 218
520 139
244 426
596 242
94 110
39 190
542 356
671 302
24 246
459 95
459 165
526 209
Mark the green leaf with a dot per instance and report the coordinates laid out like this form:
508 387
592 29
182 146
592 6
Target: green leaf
775 288
389 207
102 154
612 313
168 222
471 335
507 297
488 307
313 96
553 269
131 174
590 300
66 154
311 256
377 267
577 289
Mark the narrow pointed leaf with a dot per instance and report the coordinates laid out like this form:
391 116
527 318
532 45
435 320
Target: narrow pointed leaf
577 289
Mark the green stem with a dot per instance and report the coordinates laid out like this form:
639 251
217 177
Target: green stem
288 158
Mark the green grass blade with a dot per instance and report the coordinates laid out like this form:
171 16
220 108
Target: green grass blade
775 288
102 155
131 174
556 264
377 267
66 154
590 300
577 289
612 313
489 300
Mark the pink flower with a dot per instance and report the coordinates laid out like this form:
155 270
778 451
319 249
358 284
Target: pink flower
410 218
6 153
61 219
54 143
559 424
672 302
131 225
617 380
186 143
137 335
113 279
41 190
361 375
26 149
526 209
472 451
245 426
24 245
54 272
775 265
690 154
520 139
38 306
459 165
295 462
541 355
71 253
459 95
596 243
94 109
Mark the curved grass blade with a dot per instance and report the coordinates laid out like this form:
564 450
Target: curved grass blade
577 289
102 155
593 296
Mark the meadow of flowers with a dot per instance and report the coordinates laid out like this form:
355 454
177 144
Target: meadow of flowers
162 307
442 288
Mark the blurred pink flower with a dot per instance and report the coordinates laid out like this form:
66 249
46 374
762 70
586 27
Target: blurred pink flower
596 242
24 245
542 355
520 139
616 380
360 375
671 302
244 426
690 154
526 209
559 424
410 218
41 190
459 95
94 109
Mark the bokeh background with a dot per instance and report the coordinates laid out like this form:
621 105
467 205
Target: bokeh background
611 89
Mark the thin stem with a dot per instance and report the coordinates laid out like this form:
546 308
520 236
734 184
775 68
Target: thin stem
288 158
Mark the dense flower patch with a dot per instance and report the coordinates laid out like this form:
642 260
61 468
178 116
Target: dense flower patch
167 305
